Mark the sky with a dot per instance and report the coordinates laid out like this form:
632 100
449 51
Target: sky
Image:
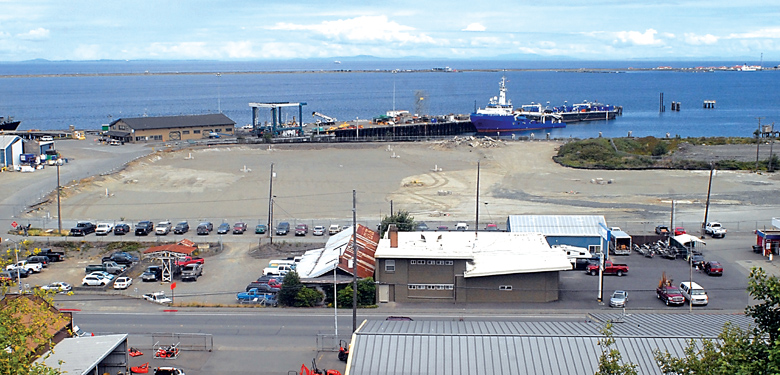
455 29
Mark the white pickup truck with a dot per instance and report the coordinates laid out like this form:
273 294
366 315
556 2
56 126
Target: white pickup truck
279 270
25 266
714 229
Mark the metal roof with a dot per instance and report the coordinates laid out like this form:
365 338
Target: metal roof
509 347
557 225
80 355
489 253
166 122
7 140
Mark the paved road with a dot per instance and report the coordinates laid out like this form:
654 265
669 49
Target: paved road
247 341
85 158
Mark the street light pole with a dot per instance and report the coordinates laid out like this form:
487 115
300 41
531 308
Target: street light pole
59 207
354 264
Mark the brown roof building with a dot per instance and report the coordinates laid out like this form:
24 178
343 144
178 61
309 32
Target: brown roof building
170 128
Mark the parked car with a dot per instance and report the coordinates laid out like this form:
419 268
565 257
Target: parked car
256 296
152 273
333 229
609 269
461 226
442 228
202 230
82 228
715 230
662 230
157 297
697 261
162 228
670 295
713 268
58 287
168 371
283 228
121 229
143 228
262 287
491 227
618 299
421 226
318 230
223 228
301 229
121 257
43 260
102 274
92 280
207 225
679 230
192 272
694 293
25 265
260 229
123 282
239 228
181 227
103 229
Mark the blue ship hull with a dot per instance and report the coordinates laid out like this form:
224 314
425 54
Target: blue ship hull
489 123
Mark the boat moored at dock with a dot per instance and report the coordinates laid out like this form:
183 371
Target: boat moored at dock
585 111
500 116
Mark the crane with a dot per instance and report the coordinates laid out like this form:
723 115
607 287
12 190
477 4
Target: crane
327 119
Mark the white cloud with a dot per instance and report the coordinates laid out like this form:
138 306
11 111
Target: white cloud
636 38
700 39
772 33
181 50
87 52
474 27
239 50
35 34
361 29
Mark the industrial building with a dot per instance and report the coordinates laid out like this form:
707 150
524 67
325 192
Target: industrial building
11 148
467 267
588 231
170 128
520 347
89 355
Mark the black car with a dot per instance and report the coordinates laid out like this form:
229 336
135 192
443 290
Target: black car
143 228
152 273
121 229
697 261
261 287
121 258
83 228
422 227
202 230
181 228
223 228
283 228
43 260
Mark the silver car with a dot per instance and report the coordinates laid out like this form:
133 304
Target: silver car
618 299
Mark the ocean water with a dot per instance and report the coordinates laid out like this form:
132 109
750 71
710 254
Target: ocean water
31 92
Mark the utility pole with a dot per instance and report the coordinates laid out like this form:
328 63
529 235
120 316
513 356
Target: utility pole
707 206
59 206
271 204
354 264
758 140
476 219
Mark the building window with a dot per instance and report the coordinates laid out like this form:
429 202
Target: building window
448 263
431 286
431 262
594 249
439 262
390 266
196 131
157 137
185 132
504 287
217 130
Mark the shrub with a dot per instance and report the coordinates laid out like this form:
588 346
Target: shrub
307 297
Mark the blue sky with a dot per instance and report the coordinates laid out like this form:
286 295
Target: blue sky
455 29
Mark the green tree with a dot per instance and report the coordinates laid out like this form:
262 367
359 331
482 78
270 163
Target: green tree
660 149
610 358
402 219
291 285
738 351
23 331
307 297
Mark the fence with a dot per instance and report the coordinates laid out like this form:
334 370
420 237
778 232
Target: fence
328 342
186 341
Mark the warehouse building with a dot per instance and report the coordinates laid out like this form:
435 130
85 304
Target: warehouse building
587 231
467 267
11 148
525 347
170 128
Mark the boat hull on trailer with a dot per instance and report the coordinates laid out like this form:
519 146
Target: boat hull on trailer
490 123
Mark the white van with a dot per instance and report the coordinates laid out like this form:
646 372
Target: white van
694 293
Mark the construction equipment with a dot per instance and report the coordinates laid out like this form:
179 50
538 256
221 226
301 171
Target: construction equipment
326 120
315 371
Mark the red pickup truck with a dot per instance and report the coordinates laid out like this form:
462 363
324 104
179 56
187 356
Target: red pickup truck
184 261
609 269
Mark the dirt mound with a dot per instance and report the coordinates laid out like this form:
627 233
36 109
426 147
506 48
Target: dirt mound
282 249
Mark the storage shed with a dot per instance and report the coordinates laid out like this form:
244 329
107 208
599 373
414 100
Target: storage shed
574 230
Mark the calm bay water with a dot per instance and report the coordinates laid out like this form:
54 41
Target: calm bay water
88 101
